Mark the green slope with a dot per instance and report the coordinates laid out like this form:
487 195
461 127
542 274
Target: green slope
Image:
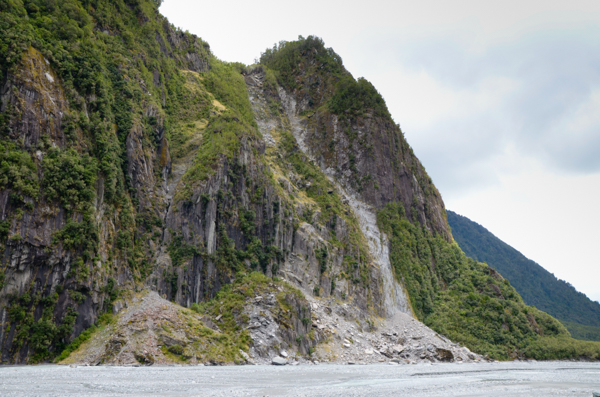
536 285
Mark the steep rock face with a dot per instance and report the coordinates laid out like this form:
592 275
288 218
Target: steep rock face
148 163
85 156
347 129
252 209
33 95
238 221
33 265
343 125
370 156
207 224
185 234
276 112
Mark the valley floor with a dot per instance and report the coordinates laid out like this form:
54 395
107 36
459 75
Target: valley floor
452 379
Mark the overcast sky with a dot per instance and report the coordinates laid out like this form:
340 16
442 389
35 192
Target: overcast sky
499 100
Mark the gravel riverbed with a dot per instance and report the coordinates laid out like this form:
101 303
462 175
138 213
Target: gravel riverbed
452 379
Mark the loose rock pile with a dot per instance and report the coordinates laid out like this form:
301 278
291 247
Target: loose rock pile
151 330
398 340
280 336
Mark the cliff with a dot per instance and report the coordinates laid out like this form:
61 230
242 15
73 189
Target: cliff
348 130
134 160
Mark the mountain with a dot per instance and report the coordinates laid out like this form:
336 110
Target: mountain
135 161
536 285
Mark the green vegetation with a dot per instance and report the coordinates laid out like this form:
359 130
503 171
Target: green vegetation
207 345
104 320
180 251
111 291
468 301
46 336
247 221
331 100
321 255
114 61
287 58
563 349
119 72
226 126
69 177
18 171
79 236
307 68
189 106
176 349
221 139
536 285
357 97
230 301
226 83
582 332
134 86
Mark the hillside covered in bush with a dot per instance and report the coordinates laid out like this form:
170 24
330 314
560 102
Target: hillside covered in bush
536 285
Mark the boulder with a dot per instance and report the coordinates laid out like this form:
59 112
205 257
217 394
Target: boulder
444 354
279 361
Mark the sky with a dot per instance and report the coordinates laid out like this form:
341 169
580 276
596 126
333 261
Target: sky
499 100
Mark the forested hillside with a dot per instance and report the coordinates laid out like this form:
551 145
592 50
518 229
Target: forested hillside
536 285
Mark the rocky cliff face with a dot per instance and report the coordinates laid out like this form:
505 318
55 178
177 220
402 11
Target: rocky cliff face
184 185
348 131
260 211
132 159
85 159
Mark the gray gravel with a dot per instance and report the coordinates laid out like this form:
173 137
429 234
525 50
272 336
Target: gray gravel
490 379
